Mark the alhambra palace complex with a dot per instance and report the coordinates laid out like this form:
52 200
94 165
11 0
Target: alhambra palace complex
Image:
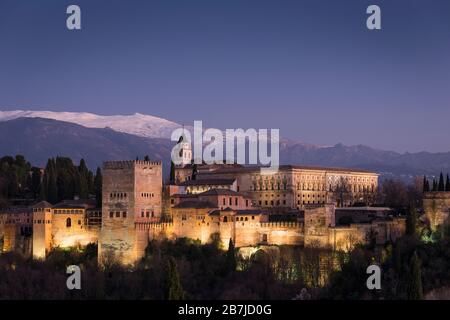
297 205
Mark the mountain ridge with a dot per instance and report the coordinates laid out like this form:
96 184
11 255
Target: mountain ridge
41 138
138 124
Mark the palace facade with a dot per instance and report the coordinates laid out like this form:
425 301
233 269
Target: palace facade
298 205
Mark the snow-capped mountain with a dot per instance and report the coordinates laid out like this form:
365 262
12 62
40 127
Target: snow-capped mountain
38 139
138 124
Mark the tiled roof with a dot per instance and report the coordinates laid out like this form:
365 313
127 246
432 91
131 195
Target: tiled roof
184 195
253 212
283 168
79 203
208 182
196 205
220 192
42 204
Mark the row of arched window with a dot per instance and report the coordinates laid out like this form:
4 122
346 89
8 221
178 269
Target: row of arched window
147 214
271 202
117 214
270 186
118 195
147 195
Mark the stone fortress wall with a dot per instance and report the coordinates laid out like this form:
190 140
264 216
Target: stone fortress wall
136 209
436 205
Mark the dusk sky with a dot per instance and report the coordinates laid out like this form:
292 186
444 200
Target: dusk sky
310 68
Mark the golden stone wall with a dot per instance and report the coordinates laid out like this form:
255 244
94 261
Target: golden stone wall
42 232
437 208
75 233
321 231
15 230
132 194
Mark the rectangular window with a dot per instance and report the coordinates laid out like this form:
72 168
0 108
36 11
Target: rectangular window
117 214
124 214
111 214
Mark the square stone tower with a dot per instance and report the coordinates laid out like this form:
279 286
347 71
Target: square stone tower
42 229
132 193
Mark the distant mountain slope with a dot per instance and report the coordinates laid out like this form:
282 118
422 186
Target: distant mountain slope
384 162
38 139
137 124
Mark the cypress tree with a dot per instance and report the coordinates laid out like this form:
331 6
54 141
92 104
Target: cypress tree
83 178
146 158
411 222
90 180
426 186
415 290
231 257
441 186
172 172
194 171
36 179
173 288
98 187
43 192
447 183
52 190
435 186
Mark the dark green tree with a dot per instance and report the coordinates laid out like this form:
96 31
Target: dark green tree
415 290
426 184
441 186
67 178
194 171
411 222
231 257
146 158
173 288
90 179
35 184
83 173
15 180
98 187
172 172
52 190
397 256
447 183
435 186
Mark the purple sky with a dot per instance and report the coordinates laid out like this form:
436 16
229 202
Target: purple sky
310 68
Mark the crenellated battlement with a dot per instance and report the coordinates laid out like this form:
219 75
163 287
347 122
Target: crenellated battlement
124 164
